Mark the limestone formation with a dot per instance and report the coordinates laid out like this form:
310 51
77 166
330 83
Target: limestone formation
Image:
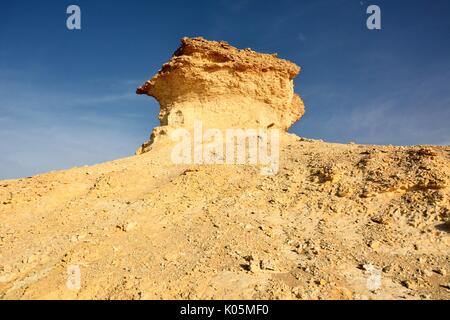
224 87
336 221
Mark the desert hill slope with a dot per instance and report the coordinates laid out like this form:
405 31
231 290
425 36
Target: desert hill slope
335 221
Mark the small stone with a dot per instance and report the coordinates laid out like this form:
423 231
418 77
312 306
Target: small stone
254 264
346 293
267 231
409 284
366 193
298 293
342 191
368 267
386 269
173 257
375 244
268 265
441 271
321 282
127 227
381 219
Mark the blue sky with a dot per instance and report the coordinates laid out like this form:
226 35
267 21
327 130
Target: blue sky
67 97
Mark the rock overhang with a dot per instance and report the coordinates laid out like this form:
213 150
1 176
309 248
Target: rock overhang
224 87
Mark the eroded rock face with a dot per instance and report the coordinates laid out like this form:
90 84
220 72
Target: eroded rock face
223 87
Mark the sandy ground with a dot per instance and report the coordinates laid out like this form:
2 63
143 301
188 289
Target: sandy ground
336 222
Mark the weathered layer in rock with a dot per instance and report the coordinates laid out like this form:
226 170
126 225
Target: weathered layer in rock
224 87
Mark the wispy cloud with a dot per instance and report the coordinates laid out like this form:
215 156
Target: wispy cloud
43 131
415 112
112 98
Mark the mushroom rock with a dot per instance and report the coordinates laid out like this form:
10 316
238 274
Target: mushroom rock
223 87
